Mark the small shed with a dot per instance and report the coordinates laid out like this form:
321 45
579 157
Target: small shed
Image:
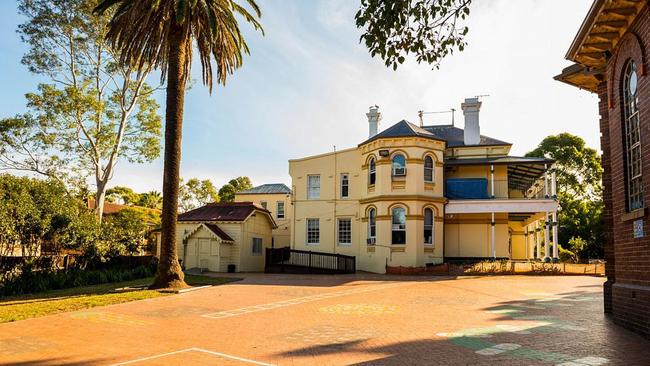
222 235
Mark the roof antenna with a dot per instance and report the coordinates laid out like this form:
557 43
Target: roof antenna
482 95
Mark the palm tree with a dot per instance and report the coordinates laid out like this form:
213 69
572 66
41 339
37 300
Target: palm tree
160 34
151 199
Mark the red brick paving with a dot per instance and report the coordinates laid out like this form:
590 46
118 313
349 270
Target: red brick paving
341 320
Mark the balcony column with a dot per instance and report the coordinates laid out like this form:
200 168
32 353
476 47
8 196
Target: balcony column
547 237
538 245
492 181
553 184
555 243
531 241
492 244
545 180
526 241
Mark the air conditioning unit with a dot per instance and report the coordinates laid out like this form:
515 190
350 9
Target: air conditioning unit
399 172
371 241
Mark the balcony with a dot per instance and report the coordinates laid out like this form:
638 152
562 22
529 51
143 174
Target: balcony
483 188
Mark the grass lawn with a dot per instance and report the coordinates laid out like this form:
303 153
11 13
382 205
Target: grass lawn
57 301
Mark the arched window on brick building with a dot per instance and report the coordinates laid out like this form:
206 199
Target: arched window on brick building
632 140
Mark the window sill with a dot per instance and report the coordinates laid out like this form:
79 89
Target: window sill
313 244
344 244
633 215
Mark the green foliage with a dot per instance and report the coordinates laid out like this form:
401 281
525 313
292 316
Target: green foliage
228 190
151 199
122 195
91 112
42 216
426 28
125 232
39 281
196 193
579 174
568 256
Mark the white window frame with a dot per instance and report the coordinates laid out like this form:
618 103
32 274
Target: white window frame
313 192
372 171
431 226
432 168
349 230
278 211
345 182
397 227
398 171
316 229
259 241
372 223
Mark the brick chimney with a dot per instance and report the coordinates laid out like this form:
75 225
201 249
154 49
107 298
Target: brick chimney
471 108
374 117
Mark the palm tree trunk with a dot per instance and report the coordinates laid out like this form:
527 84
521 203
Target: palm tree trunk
169 272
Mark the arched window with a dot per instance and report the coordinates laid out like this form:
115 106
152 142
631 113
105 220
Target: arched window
399 165
372 224
428 169
428 226
399 225
632 140
372 171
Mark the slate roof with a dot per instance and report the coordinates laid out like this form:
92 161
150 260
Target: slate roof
403 128
229 211
271 188
218 232
455 136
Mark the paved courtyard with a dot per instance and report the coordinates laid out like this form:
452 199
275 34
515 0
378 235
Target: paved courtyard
340 320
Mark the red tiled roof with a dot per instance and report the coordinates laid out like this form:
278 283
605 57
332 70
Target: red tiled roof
229 211
218 232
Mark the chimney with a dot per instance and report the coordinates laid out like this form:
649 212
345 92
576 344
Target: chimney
471 107
373 120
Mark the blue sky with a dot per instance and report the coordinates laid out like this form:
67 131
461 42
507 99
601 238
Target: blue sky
308 83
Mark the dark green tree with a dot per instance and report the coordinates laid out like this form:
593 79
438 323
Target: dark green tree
428 29
228 190
579 179
196 193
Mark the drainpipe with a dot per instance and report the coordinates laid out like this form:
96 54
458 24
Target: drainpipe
492 181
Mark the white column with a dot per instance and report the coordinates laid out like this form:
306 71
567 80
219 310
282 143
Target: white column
545 181
492 244
553 184
555 243
538 245
547 237
492 181
526 241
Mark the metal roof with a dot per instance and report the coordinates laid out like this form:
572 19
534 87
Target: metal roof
229 211
271 188
403 128
455 136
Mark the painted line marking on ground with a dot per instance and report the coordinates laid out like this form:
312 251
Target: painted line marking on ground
194 349
299 300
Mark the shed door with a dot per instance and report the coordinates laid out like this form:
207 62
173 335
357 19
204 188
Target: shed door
204 253
191 258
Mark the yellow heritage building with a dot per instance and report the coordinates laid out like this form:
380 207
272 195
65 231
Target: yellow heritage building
275 197
418 195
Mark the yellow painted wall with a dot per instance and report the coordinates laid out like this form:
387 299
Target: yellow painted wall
257 226
282 234
518 240
469 235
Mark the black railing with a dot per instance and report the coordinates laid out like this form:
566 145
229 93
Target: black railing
303 261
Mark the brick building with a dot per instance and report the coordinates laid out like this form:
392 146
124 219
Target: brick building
610 55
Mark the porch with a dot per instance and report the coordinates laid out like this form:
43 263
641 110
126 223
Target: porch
518 194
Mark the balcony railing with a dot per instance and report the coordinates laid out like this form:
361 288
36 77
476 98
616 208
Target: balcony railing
483 188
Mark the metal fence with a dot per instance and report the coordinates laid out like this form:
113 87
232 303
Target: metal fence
302 261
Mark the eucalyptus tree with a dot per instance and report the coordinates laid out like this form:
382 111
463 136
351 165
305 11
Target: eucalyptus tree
161 34
428 29
91 112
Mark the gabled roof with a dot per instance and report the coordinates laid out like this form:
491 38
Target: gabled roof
229 211
403 128
214 229
455 137
271 188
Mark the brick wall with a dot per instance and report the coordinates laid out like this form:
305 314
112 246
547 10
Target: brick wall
627 290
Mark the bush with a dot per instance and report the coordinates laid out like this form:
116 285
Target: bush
567 256
38 281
